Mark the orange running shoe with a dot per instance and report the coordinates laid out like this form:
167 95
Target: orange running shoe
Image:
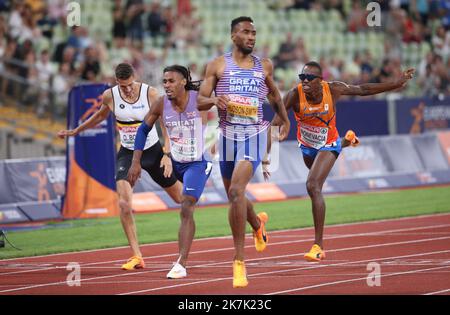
315 254
239 274
261 238
351 137
134 262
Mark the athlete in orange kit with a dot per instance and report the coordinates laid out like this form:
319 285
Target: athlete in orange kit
313 102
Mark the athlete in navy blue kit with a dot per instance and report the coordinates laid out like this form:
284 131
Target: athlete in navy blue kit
185 126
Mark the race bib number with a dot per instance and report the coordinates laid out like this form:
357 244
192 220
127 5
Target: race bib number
184 149
242 110
128 135
313 136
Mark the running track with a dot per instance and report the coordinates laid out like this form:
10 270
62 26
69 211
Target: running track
413 255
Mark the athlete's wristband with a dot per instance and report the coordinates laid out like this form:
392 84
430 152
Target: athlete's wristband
141 136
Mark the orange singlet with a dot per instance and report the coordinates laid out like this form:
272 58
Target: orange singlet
316 124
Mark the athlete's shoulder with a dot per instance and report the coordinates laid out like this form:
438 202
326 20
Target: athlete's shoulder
107 94
267 64
216 67
293 93
152 91
218 61
334 84
265 60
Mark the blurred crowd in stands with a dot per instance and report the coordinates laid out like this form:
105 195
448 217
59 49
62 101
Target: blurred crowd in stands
69 55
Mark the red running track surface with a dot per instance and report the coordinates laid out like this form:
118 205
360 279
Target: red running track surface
412 255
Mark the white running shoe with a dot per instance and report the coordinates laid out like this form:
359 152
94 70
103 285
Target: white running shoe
177 272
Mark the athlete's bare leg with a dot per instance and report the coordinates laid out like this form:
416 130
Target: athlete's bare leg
187 228
175 191
252 219
237 216
125 193
318 173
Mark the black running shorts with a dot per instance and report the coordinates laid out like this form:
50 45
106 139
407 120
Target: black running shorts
150 161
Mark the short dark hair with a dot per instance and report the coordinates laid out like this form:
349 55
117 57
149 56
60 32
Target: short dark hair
186 73
124 71
240 19
313 64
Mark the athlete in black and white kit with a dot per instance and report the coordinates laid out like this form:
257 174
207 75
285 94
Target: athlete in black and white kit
130 101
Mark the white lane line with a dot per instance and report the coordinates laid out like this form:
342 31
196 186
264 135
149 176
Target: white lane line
412 218
353 280
248 246
143 272
438 292
306 268
219 263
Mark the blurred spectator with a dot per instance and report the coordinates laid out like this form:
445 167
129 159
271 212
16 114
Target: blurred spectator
134 11
429 82
326 72
184 7
420 8
57 9
119 52
168 21
195 75
279 4
367 62
336 67
155 21
441 42
62 83
412 30
301 4
68 58
44 68
151 69
353 68
286 54
85 40
46 23
3 27
301 53
15 22
29 29
90 67
438 68
186 32
5 5
119 27
264 52
356 20
74 40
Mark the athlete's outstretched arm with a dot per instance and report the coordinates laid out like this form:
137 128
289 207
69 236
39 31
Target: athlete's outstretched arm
204 99
275 99
290 101
141 136
95 119
341 88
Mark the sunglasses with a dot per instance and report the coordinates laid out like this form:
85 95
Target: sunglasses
308 77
